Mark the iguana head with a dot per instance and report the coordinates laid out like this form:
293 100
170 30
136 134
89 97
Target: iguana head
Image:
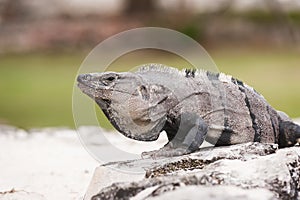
134 107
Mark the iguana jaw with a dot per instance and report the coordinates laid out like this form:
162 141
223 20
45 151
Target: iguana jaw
120 96
96 85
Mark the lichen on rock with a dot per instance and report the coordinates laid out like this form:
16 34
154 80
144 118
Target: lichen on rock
225 172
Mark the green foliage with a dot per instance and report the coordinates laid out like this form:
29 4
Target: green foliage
294 17
265 17
36 89
192 30
261 16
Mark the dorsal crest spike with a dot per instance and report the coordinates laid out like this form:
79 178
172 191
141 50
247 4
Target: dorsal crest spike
190 73
154 67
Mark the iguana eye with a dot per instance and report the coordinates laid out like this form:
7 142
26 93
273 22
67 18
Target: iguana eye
111 78
108 79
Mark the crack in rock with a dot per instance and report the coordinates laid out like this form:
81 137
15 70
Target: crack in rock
246 167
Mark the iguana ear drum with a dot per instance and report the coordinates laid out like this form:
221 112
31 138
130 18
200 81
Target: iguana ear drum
144 92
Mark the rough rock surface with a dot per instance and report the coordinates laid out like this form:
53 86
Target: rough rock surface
244 171
47 163
20 194
50 163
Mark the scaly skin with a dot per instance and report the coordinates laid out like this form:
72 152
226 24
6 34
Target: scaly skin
189 105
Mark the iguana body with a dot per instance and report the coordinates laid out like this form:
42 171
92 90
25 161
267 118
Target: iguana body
189 105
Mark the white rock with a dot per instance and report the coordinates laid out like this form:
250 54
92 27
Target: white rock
216 193
24 195
247 166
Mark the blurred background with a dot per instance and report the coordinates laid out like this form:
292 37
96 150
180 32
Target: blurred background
43 43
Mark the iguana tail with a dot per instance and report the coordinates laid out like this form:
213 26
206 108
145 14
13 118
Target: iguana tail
289 134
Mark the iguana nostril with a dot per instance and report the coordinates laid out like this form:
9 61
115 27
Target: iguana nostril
84 77
80 78
88 77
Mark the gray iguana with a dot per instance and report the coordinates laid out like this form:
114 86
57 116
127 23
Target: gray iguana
189 105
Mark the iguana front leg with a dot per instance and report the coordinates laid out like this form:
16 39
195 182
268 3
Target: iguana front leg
190 135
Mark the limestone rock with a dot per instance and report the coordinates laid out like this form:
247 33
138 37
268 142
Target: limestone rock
24 195
244 171
216 192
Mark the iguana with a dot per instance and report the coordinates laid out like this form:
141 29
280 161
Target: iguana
189 105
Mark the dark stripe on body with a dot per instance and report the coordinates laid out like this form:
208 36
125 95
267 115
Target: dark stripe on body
273 126
257 135
190 73
225 137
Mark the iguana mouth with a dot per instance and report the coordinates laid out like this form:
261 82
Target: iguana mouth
93 93
88 90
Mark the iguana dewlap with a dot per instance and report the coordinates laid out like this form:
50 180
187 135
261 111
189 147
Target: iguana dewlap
189 105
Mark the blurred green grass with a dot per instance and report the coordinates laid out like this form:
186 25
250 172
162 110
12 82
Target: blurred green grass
36 89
